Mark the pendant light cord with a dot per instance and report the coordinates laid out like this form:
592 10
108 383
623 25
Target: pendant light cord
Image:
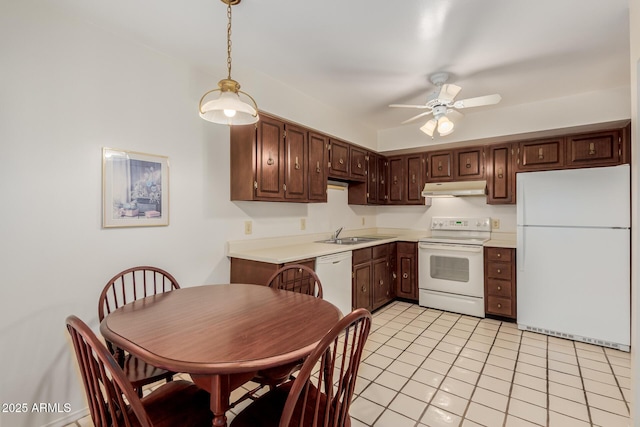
229 40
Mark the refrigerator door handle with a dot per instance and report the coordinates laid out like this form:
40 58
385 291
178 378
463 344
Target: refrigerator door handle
520 201
520 252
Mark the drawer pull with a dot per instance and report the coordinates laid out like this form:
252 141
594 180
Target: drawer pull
592 149
540 154
499 271
413 178
381 282
468 165
499 305
297 164
405 276
341 161
270 160
439 166
499 255
317 167
364 289
499 288
500 173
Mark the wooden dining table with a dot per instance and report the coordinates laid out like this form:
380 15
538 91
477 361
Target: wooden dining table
221 334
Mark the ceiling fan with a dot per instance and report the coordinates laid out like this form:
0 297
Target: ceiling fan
442 105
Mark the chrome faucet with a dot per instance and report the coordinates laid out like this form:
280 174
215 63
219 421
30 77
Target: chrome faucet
337 233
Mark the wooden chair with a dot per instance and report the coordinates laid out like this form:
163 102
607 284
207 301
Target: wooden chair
112 399
125 287
297 278
321 394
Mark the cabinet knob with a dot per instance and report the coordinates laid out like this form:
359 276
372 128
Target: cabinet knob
413 178
540 154
499 271
394 275
592 149
341 161
500 173
297 164
395 179
499 288
381 282
499 305
439 166
468 165
405 276
317 167
499 255
359 165
364 289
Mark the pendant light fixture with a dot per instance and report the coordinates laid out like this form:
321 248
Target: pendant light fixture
228 108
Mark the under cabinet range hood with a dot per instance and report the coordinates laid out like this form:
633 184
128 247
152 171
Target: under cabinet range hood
455 189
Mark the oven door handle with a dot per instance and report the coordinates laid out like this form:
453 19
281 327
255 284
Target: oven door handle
451 248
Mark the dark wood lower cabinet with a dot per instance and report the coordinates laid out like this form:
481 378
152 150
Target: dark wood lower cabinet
372 277
257 272
407 271
500 282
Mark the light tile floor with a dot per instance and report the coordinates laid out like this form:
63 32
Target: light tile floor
425 367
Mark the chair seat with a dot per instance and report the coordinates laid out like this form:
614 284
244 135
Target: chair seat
140 373
178 403
266 411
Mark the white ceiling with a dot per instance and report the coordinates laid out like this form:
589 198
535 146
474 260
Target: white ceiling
361 55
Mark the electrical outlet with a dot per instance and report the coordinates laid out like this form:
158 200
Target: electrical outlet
495 224
248 227
303 224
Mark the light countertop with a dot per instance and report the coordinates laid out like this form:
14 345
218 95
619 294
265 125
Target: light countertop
280 250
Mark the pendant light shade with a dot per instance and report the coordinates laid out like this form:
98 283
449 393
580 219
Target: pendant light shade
228 108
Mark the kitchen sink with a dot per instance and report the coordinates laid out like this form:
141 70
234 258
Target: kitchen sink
351 240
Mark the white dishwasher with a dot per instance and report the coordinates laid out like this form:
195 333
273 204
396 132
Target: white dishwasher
334 272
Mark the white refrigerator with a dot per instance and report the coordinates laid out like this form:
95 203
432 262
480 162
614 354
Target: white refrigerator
573 254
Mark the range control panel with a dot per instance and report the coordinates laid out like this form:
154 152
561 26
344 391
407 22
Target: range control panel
462 224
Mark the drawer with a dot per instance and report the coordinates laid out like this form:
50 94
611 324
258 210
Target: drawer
499 270
499 288
380 251
499 254
361 255
499 306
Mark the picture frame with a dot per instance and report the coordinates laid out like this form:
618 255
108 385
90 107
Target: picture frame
135 189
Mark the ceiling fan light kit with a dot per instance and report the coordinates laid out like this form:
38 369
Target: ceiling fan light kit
228 108
441 104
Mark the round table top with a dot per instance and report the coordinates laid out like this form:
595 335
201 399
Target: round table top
221 329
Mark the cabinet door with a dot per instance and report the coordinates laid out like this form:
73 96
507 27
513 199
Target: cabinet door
338 159
295 163
469 164
594 149
500 175
381 284
362 285
383 172
372 178
396 180
270 159
318 167
358 164
407 270
415 178
540 155
440 166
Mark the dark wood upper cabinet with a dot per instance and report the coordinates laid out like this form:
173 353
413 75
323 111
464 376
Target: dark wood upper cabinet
500 175
358 163
318 160
594 149
383 173
372 178
469 164
415 178
296 151
538 155
270 165
396 180
440 166
338 159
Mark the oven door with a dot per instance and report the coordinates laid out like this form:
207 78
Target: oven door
451 268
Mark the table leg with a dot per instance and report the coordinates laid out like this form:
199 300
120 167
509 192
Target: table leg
220 400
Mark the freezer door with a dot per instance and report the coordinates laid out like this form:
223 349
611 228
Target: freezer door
594 197
575 281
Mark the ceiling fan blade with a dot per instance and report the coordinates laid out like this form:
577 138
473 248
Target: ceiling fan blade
478 101
422 107
448 92
426 113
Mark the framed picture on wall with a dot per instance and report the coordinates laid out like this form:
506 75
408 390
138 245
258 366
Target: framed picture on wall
135 189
